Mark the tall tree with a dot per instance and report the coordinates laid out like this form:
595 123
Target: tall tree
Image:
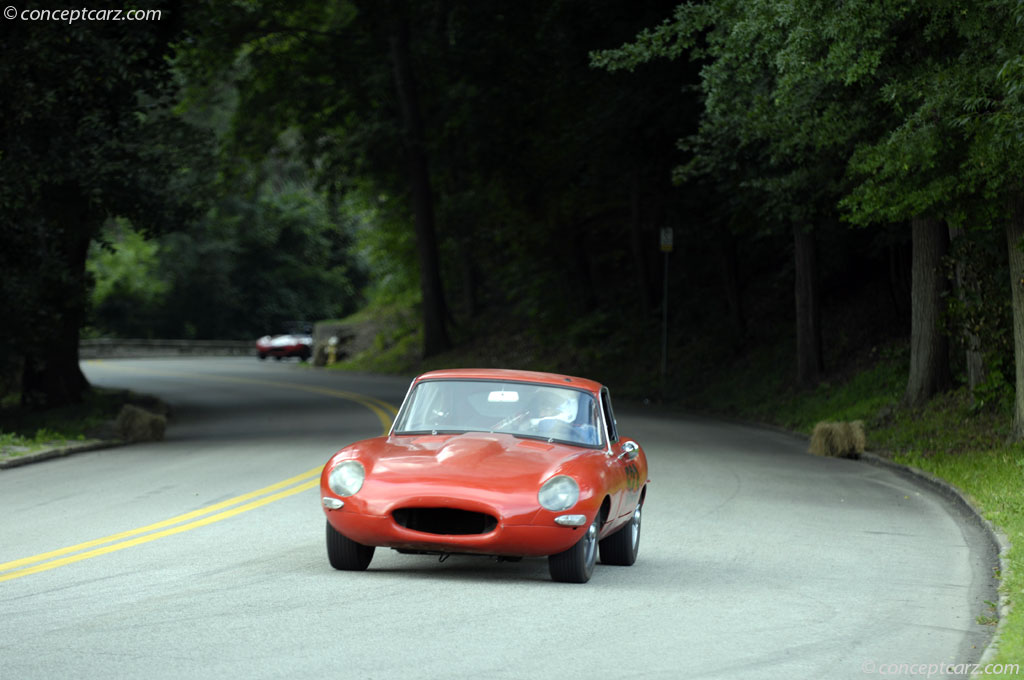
967 287
919 104
990 109
929 345
85 133
942 75
808 309
435 335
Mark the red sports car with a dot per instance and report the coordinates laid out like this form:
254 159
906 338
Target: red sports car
503 463
288 345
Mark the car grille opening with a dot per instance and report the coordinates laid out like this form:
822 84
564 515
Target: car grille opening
445 521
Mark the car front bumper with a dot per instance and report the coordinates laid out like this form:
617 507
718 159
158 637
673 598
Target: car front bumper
534 534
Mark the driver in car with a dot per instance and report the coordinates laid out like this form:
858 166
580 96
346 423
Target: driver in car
556 417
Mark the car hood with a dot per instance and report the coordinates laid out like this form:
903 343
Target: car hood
476 458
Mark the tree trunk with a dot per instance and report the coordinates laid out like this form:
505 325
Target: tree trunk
809 363
1015 246
967 283
51 375
435 333
929 346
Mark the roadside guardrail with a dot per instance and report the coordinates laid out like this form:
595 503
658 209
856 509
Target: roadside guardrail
102 348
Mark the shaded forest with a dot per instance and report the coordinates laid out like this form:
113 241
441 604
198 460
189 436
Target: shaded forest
837 179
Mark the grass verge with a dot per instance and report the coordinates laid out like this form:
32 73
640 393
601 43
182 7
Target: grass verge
24 431
949 439
993 479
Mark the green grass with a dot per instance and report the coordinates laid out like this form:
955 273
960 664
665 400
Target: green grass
397 340
24 431
391 353
993 479
12 444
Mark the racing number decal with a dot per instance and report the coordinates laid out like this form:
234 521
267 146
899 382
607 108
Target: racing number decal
633 482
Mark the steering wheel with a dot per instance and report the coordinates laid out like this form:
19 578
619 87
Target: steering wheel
510 420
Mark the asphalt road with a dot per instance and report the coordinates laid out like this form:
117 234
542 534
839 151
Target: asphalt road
203 556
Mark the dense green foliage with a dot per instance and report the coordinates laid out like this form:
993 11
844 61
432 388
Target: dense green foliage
873 114
270 251
128 288
503 172
539 208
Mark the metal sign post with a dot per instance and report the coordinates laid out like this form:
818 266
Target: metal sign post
666 248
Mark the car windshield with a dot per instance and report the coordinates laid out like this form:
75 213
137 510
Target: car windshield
521 409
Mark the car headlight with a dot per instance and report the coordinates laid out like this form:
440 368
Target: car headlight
347 477
559 493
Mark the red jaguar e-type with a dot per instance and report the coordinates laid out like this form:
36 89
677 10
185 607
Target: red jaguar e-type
287 345
492 462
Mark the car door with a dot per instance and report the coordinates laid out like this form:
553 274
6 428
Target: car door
624 464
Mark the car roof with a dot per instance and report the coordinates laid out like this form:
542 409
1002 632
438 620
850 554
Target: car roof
512 375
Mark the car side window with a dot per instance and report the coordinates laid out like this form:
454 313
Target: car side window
609 415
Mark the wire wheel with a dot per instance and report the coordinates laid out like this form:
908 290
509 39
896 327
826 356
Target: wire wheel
576 564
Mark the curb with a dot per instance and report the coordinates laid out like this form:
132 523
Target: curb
1000 543
68 448
59 452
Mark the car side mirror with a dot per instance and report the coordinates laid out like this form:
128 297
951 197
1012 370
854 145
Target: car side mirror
630 450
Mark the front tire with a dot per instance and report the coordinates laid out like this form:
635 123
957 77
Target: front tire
345 554
576 564
621 548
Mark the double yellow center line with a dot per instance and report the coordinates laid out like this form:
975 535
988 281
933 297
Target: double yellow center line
204 516
167 527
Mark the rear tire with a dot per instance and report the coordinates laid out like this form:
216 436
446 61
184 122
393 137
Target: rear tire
345 554
621 548
576 564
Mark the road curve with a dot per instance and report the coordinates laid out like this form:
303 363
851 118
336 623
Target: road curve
202 556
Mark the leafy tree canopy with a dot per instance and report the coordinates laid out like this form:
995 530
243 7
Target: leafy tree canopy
86 133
